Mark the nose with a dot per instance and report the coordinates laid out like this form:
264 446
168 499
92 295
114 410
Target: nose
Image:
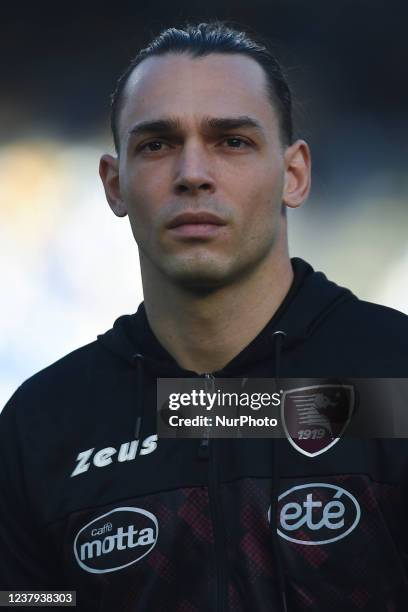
193 172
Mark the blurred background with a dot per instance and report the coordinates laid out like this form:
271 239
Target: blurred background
69 267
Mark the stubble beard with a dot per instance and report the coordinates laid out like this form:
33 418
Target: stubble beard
202 273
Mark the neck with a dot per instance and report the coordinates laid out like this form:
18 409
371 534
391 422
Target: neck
203 333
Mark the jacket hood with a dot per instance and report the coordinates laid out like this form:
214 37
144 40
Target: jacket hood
309 301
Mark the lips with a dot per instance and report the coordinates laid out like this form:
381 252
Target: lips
196 218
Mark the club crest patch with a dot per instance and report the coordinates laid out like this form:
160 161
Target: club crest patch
314 418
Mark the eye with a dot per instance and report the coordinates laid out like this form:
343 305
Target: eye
152 146
235 142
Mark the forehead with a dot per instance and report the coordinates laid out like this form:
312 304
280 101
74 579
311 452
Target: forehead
179 85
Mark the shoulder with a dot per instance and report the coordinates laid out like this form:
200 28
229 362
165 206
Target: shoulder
65 383
384 322
371 338
75 367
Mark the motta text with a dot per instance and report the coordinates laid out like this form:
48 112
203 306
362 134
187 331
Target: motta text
121 540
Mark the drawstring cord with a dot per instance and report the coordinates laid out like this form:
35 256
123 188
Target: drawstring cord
278 338
138 357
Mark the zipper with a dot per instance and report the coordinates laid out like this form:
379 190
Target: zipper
208 449
204 447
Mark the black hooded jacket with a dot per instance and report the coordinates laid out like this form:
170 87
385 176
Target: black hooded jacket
92 500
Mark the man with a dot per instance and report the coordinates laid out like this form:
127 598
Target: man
91 499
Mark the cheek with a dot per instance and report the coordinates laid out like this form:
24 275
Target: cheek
261 206
264 176
273 190
142 194
263 195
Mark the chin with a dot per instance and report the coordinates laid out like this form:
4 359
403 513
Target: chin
203 276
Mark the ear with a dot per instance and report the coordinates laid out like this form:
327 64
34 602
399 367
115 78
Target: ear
297 174
109 173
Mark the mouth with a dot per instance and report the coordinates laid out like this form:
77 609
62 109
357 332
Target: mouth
195 218
196 224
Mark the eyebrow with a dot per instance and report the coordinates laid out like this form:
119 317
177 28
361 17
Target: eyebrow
166 125
156 126
232 123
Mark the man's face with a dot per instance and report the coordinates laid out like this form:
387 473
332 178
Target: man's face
201 167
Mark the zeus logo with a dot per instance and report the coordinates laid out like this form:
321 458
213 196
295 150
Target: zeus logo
316 513
126 452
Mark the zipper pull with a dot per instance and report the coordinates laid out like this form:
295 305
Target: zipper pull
204 447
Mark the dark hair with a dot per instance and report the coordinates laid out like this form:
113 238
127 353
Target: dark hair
203 39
